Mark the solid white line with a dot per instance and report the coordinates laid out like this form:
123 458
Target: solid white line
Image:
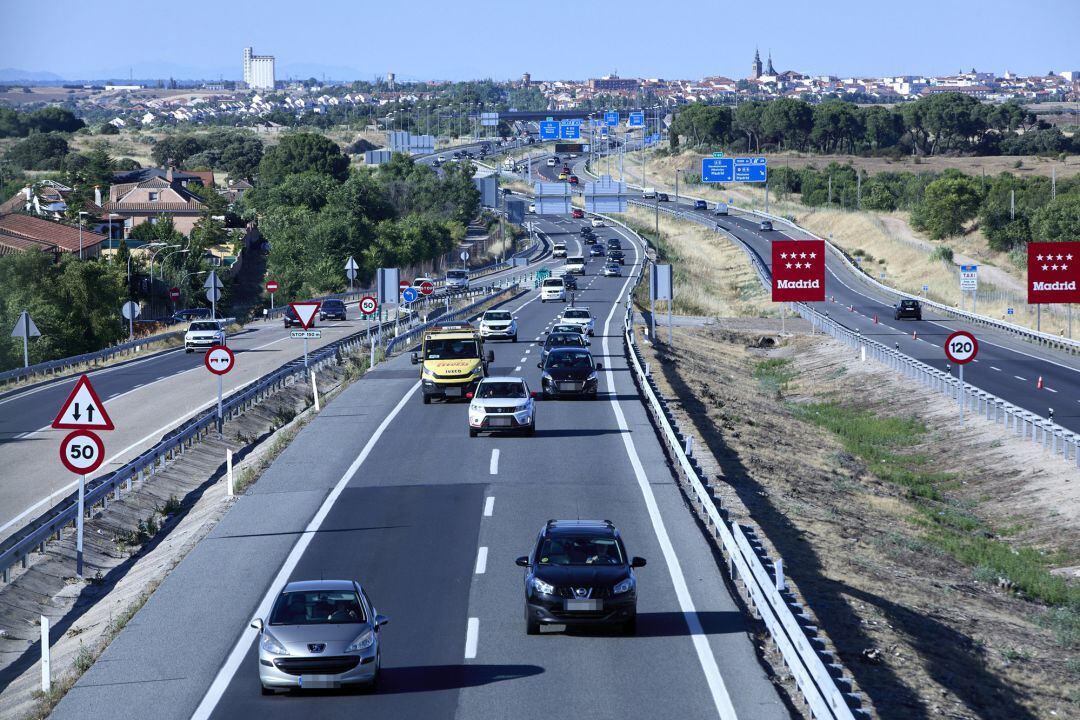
489 503
1020 378
1050 389
720 696
472 638
995 368
493 467
481 561
232 663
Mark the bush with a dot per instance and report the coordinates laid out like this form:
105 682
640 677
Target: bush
943 253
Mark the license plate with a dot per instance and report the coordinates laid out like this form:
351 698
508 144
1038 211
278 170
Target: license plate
569 387
584 605
318 681
499 422
453 391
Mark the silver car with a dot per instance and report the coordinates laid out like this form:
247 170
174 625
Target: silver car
320 634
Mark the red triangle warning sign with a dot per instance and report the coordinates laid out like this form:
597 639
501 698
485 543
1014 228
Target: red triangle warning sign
83 410
306 312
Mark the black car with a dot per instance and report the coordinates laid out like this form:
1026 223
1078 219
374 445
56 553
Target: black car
569 371
663 197
579 574
569 281
907 308
332 308
190 314
291 318
587 232
563 339
700 205
617 256
614 244
596 251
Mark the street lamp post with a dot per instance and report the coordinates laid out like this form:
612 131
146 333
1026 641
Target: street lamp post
677 171
82 213
153 256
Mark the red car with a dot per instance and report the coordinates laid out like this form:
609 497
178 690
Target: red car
573 179
577 213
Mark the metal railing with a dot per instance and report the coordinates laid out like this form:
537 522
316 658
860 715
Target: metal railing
816 671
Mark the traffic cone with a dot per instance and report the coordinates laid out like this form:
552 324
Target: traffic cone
1038 385
914 334
875 320
851 308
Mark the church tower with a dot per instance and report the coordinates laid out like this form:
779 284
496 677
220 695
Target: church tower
770 70
755 69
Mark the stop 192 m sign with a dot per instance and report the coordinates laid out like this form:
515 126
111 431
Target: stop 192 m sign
961 347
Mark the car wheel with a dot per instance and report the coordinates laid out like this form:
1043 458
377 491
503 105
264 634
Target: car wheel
918 317
630 626
515 338
532 627
268 691
472 433
542 301
187 350
531 430
427 399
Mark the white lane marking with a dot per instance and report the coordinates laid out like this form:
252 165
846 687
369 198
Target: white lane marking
472 638
489 503
720 695
1050 389
517 369
528 351
995 368
523 359
493 466
481 561
1020 378
236 657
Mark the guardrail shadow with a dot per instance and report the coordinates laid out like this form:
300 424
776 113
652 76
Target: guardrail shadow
948 656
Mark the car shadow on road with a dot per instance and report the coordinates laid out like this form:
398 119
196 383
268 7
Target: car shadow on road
578 432
433 678
669 624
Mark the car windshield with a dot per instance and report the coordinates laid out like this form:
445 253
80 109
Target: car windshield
909 303
446 349
456 274
576 329
564 340
576 315
497 316
332 305
204 326
580 551
577 259
495 389
318 607
553 282
568 360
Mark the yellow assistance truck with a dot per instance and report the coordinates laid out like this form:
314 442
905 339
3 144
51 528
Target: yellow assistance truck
452 362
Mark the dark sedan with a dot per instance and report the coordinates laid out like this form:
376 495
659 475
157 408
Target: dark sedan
617 256
907 308
562 340
569 372
332 308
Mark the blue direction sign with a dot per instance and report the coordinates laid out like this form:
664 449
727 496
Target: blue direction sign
750 170
569 132
637 119
597 122
717 170
408 295
549 130
611 118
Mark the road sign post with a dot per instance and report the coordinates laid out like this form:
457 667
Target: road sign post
961 348
305 312
219 360
213 291
81 452
350 270
368 306
131 310
272 288
25 328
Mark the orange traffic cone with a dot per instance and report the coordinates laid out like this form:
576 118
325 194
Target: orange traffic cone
1038 385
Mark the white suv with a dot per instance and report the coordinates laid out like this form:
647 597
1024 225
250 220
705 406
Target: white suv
553 288
575 265
203 334
579 316
498 324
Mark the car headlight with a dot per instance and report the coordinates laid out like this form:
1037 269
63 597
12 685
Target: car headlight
592 377
623 587
547 376
542 587
362 642
427 372
271 644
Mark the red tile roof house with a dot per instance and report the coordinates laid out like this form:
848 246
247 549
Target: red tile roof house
25 232
155 198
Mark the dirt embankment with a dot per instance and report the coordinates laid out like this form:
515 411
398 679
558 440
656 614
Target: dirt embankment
935 557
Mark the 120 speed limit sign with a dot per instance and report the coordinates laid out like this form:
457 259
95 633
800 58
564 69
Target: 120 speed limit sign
961 347
82 452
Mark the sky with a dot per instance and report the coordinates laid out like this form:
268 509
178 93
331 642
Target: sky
501 39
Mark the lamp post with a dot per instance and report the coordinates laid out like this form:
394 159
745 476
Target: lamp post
183 282
153 256
109 217
677 171
82 213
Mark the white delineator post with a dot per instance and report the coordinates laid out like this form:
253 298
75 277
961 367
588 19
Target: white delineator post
315 390
228 472
46 664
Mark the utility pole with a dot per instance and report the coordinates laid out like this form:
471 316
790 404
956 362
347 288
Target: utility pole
830 190
1053 182
1012 205
858 190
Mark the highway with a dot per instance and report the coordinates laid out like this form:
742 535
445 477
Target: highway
1006 365
393 493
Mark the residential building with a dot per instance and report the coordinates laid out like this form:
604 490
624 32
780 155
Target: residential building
258 70
614 82
19 233
154 198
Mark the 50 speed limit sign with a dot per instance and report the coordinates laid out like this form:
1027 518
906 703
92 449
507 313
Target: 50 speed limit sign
368 305
82 452
961 347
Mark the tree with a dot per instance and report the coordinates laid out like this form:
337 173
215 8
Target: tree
836 126
787 122
54 119
1058 220
882 127
702 124
953 120
303 152
748 119
176 149
42 151
1004 227
108 129
948 203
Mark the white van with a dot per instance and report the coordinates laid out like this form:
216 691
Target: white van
648 193
551 162
558 250
553 288
575 265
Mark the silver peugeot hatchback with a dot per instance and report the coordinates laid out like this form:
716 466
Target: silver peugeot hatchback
320 634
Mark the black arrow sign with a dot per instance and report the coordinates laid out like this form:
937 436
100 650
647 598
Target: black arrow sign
76 413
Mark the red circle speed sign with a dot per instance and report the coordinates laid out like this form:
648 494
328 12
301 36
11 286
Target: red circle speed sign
427 287
219 359
961 347
174 294
368 305
82 452
271 286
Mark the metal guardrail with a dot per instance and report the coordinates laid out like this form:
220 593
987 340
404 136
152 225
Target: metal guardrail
814 670
407 337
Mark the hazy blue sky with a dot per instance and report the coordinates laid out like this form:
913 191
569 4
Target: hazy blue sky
422 39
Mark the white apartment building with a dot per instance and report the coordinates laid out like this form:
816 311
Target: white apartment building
258 70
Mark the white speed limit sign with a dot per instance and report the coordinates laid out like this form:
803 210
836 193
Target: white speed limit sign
961 347
82 452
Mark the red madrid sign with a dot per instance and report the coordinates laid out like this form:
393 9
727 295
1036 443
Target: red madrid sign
798 270
1054 272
